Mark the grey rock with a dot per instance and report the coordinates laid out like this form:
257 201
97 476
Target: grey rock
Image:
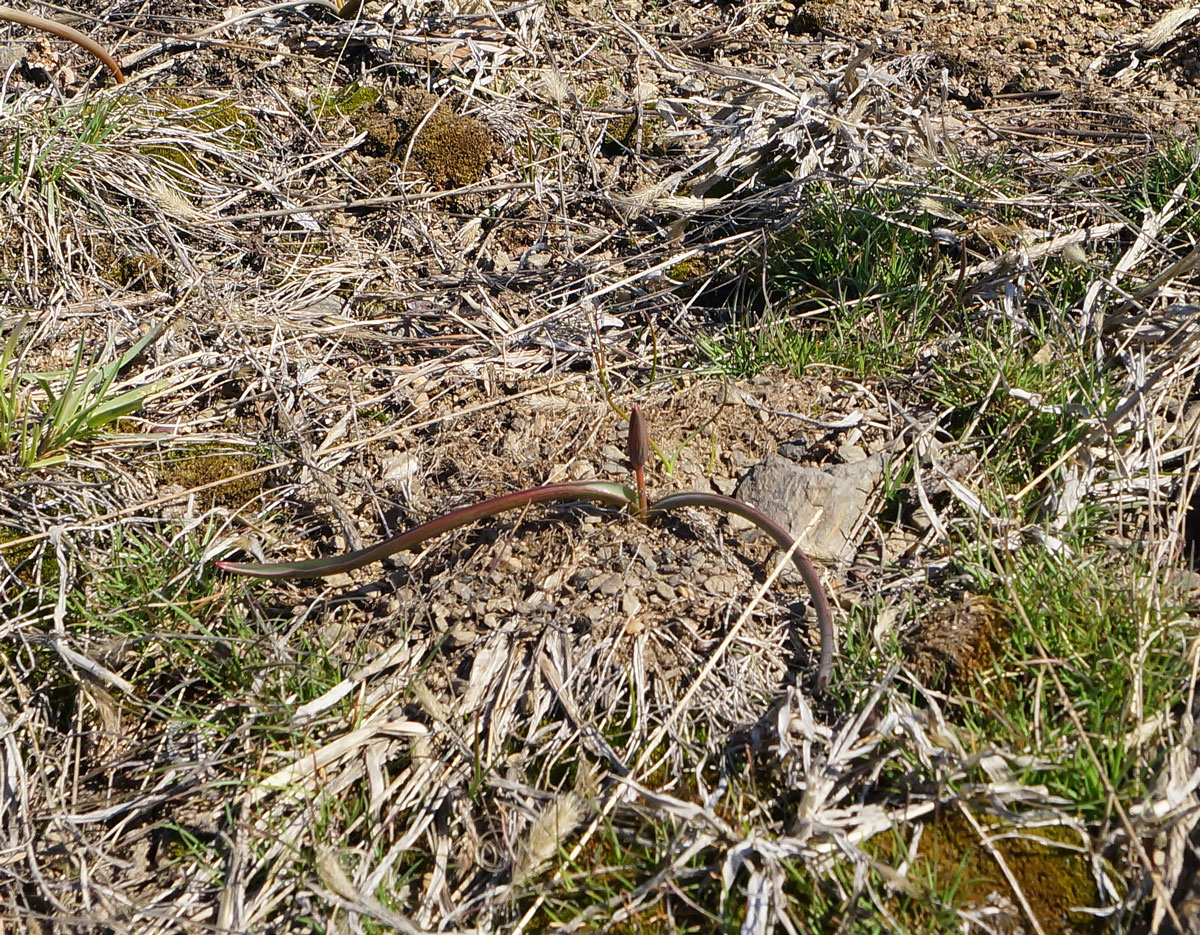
610 585
851 454
724 485
821 506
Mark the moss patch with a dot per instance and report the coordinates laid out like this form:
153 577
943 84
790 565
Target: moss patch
20 560
451 150
25 572
207 464
693 267
140 271
218 116
236 127
349 100
952 864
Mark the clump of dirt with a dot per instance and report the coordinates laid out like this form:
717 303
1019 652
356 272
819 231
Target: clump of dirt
451 150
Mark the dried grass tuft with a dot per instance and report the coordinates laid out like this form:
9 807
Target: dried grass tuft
546 835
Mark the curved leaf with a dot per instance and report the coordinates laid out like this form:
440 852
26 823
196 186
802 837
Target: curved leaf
609 492
784 540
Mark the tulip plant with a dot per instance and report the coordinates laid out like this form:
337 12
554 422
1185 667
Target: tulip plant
607 492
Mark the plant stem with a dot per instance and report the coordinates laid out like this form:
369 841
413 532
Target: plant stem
640 473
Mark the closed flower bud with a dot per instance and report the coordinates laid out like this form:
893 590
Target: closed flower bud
638 446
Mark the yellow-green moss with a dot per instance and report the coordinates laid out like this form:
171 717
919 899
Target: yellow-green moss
692 268
349 100
175 159
205 464
213 117
44 569
952 860
238 129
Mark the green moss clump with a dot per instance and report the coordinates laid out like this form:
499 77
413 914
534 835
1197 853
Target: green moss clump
451 150
140 271
172 158
208 464
1053 879
22 563
236 128
692 268
220 116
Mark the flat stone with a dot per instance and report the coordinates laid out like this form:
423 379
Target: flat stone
851 454
725 485
723 584
820 506
610 584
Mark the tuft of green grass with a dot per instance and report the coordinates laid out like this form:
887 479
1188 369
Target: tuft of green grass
1025 399
72 405
77 132
1119 650
856 282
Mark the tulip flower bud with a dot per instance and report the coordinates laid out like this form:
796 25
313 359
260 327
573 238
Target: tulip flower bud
638 446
